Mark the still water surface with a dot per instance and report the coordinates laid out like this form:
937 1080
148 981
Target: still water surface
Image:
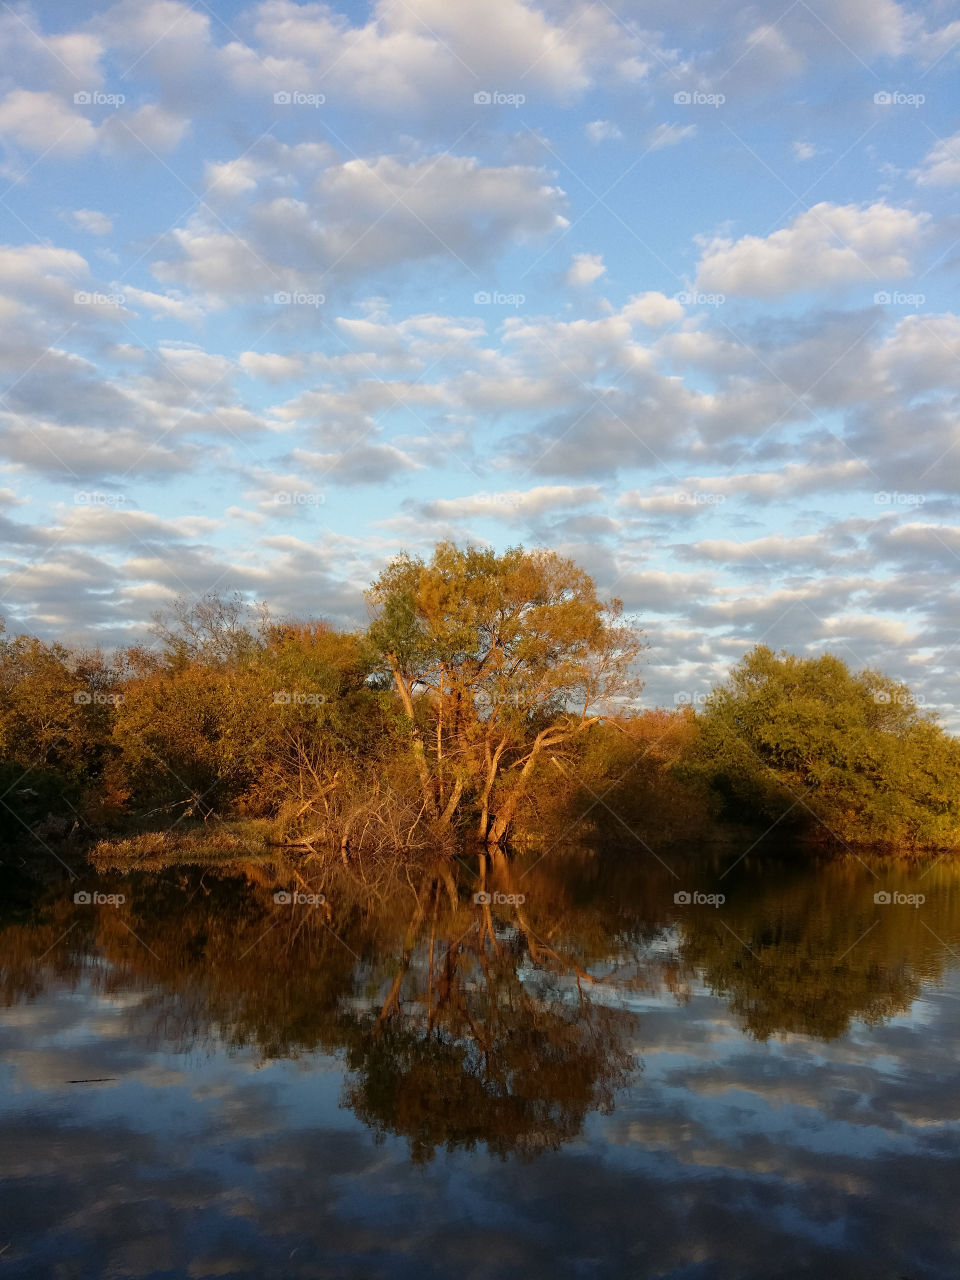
600 1081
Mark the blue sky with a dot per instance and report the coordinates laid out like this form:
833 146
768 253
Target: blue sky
246 252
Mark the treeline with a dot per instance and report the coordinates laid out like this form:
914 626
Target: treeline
493 697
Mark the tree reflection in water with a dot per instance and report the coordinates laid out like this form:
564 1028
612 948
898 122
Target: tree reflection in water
465 1023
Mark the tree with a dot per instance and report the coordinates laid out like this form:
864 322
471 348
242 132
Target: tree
809 741
497 661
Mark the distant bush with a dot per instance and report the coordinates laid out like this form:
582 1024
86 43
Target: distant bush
806 742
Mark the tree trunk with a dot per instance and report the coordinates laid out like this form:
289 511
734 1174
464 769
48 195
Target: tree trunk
493 763
452 803
419 754
545 738
509 807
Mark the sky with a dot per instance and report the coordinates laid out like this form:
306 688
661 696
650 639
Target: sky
287 288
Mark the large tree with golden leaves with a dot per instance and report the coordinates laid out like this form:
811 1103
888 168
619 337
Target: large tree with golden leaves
497 659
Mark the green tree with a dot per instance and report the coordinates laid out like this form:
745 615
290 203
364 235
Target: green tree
807 741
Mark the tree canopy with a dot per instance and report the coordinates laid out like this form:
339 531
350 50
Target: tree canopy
850 754
516 653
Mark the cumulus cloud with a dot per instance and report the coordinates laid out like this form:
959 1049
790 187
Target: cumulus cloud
412 58
97 224
512 504
151 128
602 131
825 246
941 164
585 268
669 135
365 216
43 122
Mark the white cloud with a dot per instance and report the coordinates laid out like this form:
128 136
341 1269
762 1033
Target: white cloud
269 367
512 504
43 122
803 150
428 56
827 245
97 224
189 310
602 131
365 216
585 268
941 164
150 128
669 135
362 463
653 309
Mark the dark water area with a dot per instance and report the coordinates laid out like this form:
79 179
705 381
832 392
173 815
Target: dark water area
604 1079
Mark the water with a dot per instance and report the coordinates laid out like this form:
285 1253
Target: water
596 1082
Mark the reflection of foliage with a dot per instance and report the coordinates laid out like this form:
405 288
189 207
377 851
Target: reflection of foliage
463 1051
465 1024
483 1058
808 954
